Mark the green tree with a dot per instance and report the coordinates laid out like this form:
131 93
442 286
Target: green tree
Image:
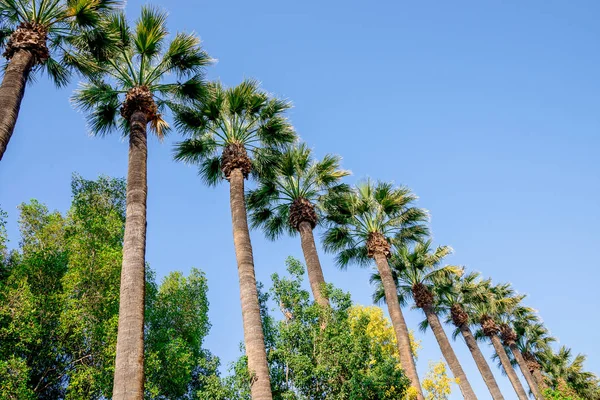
177 322
289 201
42 35
89 315
133 81
352 357
418 274
30 303
364 226
234 133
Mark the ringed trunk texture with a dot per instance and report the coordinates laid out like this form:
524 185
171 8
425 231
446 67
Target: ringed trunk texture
449 355
313 265
253 330
481 362
12 91
510 371
525 371
129 364
398 322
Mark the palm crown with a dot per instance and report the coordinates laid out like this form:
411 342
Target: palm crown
373 214
54 31
417 273
133 78
240 127
294 191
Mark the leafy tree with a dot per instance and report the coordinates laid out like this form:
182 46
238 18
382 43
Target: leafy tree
45 35
233 133
353 357
533 341
177 322
133 81
418 275
289 201
59 308
437 383
364 226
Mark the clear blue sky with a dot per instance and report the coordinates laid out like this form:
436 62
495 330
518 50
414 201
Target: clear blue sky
489 111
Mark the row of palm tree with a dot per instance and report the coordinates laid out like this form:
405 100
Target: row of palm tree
234 134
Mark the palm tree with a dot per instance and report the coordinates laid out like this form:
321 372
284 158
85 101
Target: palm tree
418 274
129 93
533 340
499 298
288 201
565 373
454 296
363 226
519 315
42 35
236 132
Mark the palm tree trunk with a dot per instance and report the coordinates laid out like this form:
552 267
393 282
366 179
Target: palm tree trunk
449 355
398 322
525 371
539 379
510 371
12 91
129 364
253 330
313 265
481 362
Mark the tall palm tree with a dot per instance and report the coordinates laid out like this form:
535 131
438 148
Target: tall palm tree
43 36
566 373
499 298
288 201
364 226
519 315
234 133
130 92
418 274
533 340
454 296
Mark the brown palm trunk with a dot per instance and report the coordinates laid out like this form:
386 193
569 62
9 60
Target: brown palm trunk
313 265
481 362
525 371
253 330
12 91
510 371
539 379
129 364
398 322
449 355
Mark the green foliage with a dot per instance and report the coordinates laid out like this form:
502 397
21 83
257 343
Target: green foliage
372 207
297 176
177 322
74 27
59 307
339 360
244 116
142 58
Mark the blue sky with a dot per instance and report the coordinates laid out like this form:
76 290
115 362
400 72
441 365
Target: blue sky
487 110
